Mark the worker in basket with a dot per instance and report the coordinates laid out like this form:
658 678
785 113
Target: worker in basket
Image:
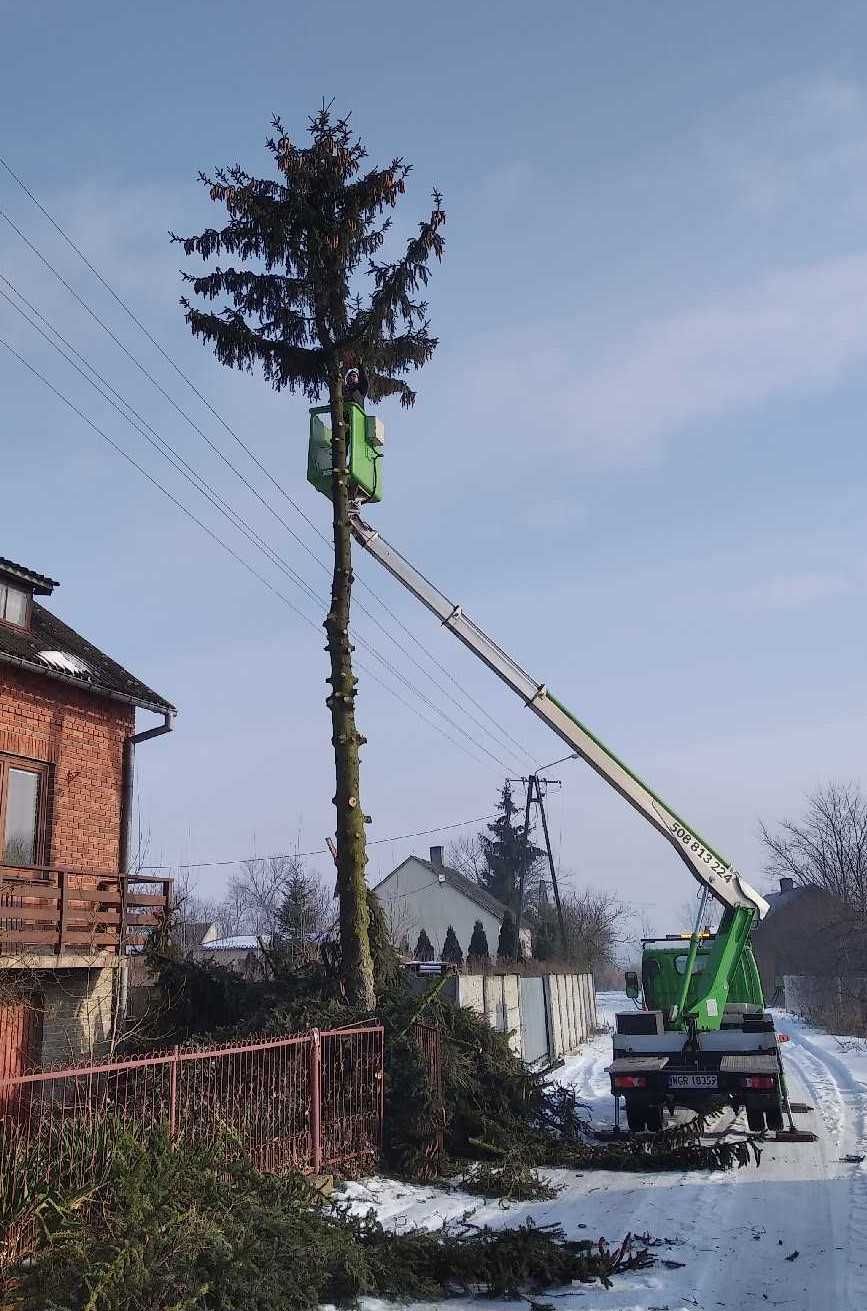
355 386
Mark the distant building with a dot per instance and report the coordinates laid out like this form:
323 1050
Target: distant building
428 894
68 913
241 952
195 933
807 931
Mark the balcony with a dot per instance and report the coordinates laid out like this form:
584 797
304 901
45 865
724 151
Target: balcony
55 913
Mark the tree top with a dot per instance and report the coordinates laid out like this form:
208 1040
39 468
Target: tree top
307 233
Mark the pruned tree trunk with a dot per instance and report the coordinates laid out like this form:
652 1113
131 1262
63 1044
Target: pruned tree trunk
357 966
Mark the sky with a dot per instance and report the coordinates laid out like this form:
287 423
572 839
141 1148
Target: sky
637 457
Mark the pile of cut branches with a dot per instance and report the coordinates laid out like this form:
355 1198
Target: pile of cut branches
201 1230
494 1108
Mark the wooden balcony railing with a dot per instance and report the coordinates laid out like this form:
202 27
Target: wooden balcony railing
54 911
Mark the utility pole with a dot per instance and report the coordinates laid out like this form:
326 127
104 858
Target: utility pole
536 795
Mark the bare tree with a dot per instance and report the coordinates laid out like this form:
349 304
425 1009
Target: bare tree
401 920
827 848
465 855
259 889
231 914
191 911
594 921
688 913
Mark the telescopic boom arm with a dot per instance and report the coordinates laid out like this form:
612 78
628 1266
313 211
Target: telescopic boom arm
712 871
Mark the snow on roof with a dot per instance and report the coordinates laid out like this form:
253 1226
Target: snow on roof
240 942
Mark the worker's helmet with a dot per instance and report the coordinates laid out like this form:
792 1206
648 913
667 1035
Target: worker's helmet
352 378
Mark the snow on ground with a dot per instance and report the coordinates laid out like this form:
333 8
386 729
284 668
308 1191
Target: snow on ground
733 1231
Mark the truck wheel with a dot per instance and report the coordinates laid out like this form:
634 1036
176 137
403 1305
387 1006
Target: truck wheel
636 1115
654 1118
774 1119
755 1120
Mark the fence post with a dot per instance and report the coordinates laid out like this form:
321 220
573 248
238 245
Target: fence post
123 889
173 1095
316 1101
381 1077
62 888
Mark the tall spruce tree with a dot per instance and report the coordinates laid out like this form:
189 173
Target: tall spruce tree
304 911
507 853
305 240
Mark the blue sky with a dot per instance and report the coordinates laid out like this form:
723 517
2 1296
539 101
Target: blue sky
637 457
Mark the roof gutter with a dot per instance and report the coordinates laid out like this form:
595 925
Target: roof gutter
129 745
33 667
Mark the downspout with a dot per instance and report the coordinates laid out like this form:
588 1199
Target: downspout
129 746
126 807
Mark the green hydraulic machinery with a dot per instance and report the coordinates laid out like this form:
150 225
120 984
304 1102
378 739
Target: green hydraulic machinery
703 998
704 1032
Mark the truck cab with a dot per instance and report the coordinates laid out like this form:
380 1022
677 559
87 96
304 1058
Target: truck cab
664 1060
664 963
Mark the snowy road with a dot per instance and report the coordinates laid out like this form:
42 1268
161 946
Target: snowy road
732 1232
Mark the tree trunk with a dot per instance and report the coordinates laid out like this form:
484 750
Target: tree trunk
357 966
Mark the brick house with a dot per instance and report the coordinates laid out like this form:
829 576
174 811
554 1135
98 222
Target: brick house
69 909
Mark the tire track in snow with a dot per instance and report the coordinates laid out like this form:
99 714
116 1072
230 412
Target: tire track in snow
821 1087
839 1099
848 1091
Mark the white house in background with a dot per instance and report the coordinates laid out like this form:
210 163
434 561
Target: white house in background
426 894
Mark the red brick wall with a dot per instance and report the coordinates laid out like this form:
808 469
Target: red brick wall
81 736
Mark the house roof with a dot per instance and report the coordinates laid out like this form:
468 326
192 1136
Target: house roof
472 891
196 932
46 647
779 900
40 583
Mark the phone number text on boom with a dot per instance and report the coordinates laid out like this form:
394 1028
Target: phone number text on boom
696 848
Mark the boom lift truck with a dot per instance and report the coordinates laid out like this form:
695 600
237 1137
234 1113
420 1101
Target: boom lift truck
702 1035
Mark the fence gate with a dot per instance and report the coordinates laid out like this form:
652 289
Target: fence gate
429 1040
534 1019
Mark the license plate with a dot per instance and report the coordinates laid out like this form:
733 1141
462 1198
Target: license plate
693 1081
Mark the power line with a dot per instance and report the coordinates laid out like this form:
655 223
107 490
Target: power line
219 540
498 728
164 448
573 755
324 851
186 471
141 425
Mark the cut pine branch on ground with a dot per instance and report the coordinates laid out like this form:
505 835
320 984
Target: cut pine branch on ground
200 1229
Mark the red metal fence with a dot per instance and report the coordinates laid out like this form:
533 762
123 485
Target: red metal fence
308 1102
